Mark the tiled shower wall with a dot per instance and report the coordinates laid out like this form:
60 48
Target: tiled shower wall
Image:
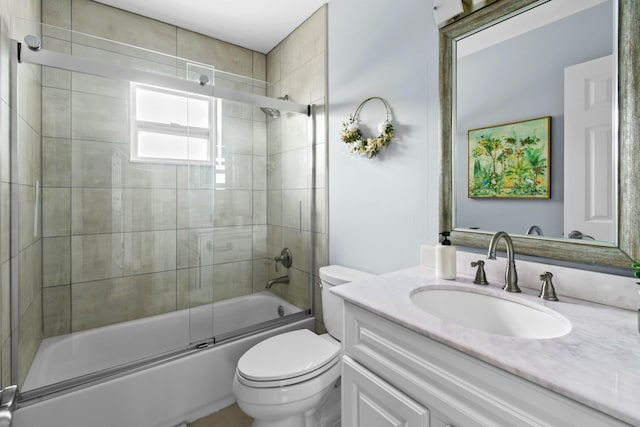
297 67
124 240
23 187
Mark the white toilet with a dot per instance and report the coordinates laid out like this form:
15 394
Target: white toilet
291 379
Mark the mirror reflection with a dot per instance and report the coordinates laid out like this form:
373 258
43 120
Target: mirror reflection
535 144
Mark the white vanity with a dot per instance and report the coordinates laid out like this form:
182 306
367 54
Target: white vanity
406 367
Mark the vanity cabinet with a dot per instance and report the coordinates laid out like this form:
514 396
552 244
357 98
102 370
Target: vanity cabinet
395 376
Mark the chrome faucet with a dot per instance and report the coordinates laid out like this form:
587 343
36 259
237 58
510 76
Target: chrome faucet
511 276
282 279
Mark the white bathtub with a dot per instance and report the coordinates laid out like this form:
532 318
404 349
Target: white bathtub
165 395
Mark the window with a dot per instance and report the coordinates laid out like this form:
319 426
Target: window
169 126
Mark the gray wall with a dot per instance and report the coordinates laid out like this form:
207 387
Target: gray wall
381 210
519 79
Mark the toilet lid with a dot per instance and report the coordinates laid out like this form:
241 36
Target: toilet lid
287 355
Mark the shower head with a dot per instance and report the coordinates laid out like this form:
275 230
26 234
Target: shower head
271 112
274 113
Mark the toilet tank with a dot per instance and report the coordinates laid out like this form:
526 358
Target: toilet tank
330 276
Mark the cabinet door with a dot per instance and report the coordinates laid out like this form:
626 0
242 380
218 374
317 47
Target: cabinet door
368 401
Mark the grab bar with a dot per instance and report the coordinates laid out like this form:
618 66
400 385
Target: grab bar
8 400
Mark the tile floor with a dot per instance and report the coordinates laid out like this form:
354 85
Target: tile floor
228 417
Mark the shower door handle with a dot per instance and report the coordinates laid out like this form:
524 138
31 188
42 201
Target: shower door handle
8 404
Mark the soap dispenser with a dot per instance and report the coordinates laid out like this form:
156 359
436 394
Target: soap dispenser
445 258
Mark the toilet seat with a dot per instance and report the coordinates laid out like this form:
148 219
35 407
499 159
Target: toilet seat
287 359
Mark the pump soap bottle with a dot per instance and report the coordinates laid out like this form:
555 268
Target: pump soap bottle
445 258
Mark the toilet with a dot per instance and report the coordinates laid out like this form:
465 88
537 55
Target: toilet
292 379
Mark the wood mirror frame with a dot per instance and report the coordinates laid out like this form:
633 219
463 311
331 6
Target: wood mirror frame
628 115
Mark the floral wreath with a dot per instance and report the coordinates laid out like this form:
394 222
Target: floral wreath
366 147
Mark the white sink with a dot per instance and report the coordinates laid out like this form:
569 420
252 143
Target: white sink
492 314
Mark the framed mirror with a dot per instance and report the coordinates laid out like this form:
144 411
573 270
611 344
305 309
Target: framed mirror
488 129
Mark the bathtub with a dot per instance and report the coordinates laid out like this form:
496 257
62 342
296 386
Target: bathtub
164 395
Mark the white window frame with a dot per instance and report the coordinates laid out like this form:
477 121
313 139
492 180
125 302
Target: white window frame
171 128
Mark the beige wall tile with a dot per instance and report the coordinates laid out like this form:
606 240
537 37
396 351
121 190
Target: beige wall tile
55 77
29 336
239 170
234 109
106 302
56 162
232 280
30 89
104 51
56 215
260 135
232 207
294 132
26 220
98 164
274 136
305 42
274 207
28 146
149 251
259 207
295 169
56 114
274 172
96 210
96 257
260 241
57 13
56 310
153 209
99 118
232 244
147 175
100 86
259 172
237 135
261 269
195 286
259 66
223 56
56 261
274 59
295 209
195 208
195 177
306 83
115 24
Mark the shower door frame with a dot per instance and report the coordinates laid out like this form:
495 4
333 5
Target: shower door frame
21 53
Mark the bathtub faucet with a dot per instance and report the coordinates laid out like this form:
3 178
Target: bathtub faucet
282 279
8 401
285 258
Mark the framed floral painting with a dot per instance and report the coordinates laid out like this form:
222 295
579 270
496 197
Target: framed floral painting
510 160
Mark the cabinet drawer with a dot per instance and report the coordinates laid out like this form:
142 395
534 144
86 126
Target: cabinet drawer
368 401
467 391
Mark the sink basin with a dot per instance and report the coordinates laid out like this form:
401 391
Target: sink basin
492 314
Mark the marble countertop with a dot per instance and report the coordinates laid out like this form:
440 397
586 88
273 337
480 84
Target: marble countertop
597 363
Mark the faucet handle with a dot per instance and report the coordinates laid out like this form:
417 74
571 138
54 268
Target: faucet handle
481 277
547 291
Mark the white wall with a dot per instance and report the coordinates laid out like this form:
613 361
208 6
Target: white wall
381 210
